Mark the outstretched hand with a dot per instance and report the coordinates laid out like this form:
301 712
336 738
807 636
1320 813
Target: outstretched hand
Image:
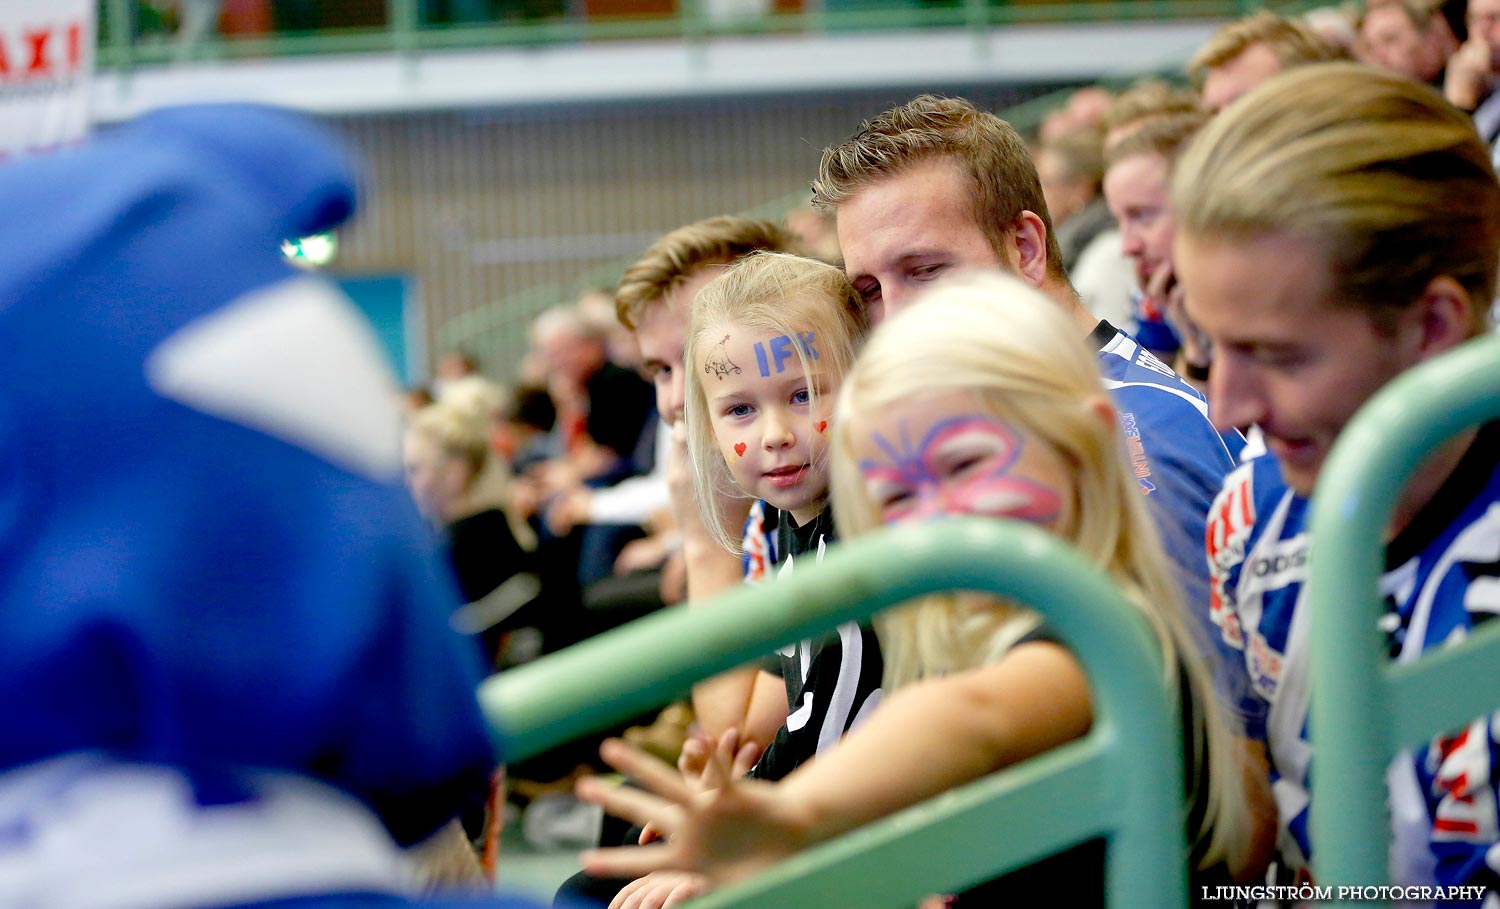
721 826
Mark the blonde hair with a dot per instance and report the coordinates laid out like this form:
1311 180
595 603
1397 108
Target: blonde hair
999 339
763 292
1384 178
1165 138
1292 41
1146 100
458 427
668 262
991 155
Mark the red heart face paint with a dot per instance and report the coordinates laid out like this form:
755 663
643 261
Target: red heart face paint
767 397
943 455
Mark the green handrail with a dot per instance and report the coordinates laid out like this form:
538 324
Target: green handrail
1364 709
1122 780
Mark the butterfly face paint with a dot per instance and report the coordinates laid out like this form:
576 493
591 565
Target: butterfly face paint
943 455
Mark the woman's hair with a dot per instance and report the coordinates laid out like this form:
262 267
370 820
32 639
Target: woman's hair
772 292
1022 359
459 433
1376 172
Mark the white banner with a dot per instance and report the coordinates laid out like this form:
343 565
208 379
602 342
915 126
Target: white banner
46 63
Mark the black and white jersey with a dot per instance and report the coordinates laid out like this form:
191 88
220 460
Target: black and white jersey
832 681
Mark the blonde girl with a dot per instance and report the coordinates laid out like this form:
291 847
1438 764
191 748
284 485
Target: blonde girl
769 341
767 345
979 400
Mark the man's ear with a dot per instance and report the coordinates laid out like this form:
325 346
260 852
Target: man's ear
1442 318
1029 238
1103 409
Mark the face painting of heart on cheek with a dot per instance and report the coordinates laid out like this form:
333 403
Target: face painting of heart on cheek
964 464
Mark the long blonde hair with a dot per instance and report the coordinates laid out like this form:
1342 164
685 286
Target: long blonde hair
458 428
1002 341
763 292
1379 174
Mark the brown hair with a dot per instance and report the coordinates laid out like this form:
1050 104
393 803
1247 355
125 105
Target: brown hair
666 263
992 156
1292 41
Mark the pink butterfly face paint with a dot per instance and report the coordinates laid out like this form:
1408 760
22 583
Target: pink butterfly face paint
945 458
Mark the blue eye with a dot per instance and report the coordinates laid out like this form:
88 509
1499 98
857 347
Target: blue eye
801 396
739 410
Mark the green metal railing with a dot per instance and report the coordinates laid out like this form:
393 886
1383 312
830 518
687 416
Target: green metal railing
405 32
1122 780
1364 708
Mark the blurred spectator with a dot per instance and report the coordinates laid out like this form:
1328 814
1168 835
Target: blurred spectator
1071 167
525 434
598 308
1410 37
461 487
451 366
1136 179
608 405
815 232
1083 109
1146 100
1246 53
1471 77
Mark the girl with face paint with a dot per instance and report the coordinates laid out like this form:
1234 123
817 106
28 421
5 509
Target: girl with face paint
769 342
979 400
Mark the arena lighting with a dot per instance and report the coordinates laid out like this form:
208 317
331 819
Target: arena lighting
312 252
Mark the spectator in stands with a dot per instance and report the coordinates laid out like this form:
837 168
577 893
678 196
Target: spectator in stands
815 233
1336 227
1142 104
614 403
935 186
452 366
982 387
1070 168
1136 186
226 673
654 300
461 486
1474 71
1410 37
1244 54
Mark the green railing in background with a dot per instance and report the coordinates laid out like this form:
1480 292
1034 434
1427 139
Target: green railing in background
1364 707
404 31
1122 780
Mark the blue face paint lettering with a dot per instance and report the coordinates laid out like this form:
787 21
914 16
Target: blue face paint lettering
807 339
781 351
760 358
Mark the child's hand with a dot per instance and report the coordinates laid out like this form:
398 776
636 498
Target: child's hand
700 771
660 890
726 833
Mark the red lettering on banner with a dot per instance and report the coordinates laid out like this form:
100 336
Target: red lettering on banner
42 55
37 42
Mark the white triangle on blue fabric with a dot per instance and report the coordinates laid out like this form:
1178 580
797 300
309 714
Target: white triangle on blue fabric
294 360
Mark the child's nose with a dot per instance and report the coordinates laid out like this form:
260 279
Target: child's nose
778 432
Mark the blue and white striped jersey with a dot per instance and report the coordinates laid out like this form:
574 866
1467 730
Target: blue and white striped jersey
1442 578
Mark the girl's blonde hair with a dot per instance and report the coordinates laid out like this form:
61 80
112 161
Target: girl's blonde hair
772 292
461 433
1376 172
1002 341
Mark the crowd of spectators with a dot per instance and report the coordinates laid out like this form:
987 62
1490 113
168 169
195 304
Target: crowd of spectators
232 634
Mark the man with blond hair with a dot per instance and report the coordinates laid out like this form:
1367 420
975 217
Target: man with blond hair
1243 54
936 186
